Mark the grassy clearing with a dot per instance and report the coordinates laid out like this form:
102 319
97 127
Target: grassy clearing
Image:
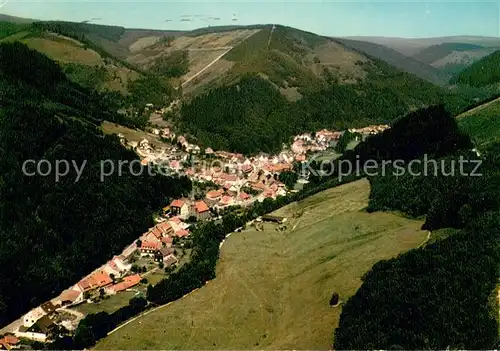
328 155
273 288
112 304
483 124
156 277
64 51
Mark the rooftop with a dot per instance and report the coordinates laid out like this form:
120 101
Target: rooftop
127 283
177 203
201 206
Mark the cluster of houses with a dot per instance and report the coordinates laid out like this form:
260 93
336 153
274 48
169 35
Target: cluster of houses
370 130
233 174
116 276
9 342
313 142
39 322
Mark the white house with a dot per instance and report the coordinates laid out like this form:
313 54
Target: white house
30 318
180 208
34 315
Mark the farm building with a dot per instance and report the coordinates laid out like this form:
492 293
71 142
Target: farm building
275 219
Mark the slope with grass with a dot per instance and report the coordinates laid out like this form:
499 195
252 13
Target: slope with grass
433 297
273 288
84 65
482 124
201 48
9 28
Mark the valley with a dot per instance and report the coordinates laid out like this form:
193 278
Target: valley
240 238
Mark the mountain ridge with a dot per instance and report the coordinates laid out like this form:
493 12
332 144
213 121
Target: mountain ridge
395 58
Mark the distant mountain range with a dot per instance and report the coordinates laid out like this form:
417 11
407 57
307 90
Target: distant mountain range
411 46
448 55
433 59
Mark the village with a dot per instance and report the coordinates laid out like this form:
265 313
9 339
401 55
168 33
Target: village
220 180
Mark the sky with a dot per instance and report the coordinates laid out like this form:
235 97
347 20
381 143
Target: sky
410 19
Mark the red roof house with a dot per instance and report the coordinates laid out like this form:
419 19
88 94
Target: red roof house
177 203
8 341
165 228
181 233
96 280
179 208
214 195
127 283
227 200
201 210
148 247
167 240
244 196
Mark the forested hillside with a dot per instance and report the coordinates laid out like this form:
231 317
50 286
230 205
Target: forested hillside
53 233
482 73
252 115
431 297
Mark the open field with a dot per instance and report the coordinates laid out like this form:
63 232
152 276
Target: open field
273 288
64 51
109 305
327 155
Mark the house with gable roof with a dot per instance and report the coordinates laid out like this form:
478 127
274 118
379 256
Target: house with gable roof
179 208
201 210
